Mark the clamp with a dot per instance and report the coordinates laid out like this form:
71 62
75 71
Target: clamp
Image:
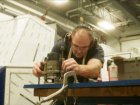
63 89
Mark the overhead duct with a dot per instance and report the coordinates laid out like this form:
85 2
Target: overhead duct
34 9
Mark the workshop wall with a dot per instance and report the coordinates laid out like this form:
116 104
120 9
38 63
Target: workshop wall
131 44
113 42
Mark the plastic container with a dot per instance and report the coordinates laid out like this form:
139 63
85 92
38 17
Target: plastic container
113 71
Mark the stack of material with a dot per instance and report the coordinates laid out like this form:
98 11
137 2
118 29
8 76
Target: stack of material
128 68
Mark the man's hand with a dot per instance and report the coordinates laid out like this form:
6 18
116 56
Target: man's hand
90 70
70 65
38 69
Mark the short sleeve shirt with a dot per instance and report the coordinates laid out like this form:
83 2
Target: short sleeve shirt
95 51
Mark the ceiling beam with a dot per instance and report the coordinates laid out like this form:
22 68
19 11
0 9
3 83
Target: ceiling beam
86 6
127 11
92 20
129 31
29 8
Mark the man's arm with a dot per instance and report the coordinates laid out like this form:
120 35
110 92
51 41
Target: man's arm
91 70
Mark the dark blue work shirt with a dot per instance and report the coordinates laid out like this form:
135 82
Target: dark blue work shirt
95 51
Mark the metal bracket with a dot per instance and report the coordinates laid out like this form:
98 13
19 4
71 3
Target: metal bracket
61 90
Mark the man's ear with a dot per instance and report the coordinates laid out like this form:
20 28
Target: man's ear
92 43
68 39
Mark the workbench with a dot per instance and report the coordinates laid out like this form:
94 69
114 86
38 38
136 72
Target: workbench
120 92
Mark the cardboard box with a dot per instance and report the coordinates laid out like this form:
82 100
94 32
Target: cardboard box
128 68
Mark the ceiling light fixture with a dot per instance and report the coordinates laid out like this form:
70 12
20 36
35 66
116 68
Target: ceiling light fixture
106 25
40 14
11 10
25 7
60 1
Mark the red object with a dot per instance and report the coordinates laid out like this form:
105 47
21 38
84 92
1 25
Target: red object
43 18
113 72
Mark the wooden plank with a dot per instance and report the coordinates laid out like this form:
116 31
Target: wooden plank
129 91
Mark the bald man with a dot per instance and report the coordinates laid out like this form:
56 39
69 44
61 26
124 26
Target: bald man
82 53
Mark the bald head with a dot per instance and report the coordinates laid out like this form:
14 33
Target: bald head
81 37
81 40
83 33
81 29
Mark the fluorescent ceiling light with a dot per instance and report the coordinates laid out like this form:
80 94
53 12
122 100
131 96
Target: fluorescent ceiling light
25 7
60 1
106 25
11 10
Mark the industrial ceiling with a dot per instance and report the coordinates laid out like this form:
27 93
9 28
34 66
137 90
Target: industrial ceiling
124 14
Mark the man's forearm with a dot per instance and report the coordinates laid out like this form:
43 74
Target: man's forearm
91 70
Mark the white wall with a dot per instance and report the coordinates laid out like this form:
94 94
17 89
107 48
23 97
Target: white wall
111 48
125 47
132 45
128 46
114 43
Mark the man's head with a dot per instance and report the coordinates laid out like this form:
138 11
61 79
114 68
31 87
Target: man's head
81 40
